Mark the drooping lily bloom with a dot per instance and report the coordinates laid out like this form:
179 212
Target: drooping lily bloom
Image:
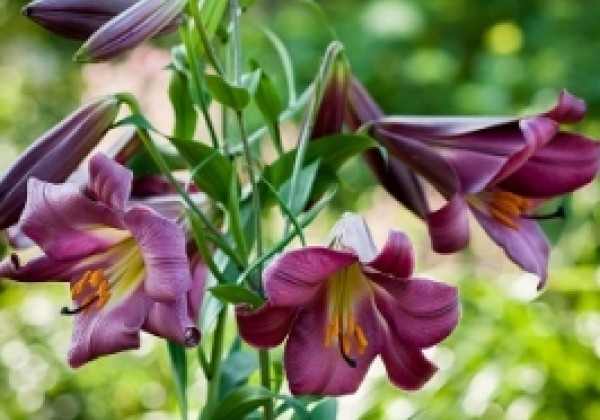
500 168
55 155
136 24
393 175
127 267
341 306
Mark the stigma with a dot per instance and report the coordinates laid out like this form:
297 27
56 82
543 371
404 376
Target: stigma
92 289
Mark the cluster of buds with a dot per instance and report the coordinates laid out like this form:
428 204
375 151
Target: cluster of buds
108 26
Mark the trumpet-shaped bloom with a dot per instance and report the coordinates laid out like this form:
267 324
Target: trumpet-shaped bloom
500 168
55 155
134 25
127 267
341 306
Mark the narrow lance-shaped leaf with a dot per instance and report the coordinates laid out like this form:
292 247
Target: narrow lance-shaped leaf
223 92
179 369
269 104
183 107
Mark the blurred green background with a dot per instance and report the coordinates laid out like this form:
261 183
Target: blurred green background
515 355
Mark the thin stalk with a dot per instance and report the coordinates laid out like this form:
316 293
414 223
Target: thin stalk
199 24
216 359
196 79
265 381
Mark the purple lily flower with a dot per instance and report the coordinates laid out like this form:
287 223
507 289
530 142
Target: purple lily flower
55 155
136 24
501 169
127 267
329 119
341 306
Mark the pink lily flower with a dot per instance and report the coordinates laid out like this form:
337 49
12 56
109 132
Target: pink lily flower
127 266
500 168
341 306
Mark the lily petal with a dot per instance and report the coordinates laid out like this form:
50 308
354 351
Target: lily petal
565 164
98 333
420 312
527 246
396 257
66 224
294 278
407 367
172 321
449 226
162 243
267 326
109 181
313 369
568 109
32 265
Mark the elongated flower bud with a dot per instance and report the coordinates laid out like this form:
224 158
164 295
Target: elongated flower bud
76 19
136 24
55 155
330 114
79 19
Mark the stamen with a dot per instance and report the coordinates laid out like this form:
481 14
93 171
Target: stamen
503 218
351 362
362 340
87 303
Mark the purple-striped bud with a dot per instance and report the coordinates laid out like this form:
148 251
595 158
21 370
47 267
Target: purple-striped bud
399 181
55 155
330 115
141 21
76 19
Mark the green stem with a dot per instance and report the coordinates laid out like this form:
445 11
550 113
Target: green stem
265 380
200 28
196 80
216 358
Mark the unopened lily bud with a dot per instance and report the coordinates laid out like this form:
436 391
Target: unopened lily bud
141 21
330 115
76 19
55 155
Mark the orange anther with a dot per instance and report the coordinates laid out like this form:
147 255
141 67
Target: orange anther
508 207
504 218
361 338
346 344
102 299
78 286
96 278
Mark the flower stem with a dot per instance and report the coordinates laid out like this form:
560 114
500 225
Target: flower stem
214 377
265 380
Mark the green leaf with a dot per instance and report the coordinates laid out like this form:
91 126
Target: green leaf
333 152
183 106
212 12
300 198
325 410
235 370
211 171
241 402
223 92
269 104
179 368
236 294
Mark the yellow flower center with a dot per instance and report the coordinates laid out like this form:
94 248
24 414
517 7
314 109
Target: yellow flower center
343 328
96 287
